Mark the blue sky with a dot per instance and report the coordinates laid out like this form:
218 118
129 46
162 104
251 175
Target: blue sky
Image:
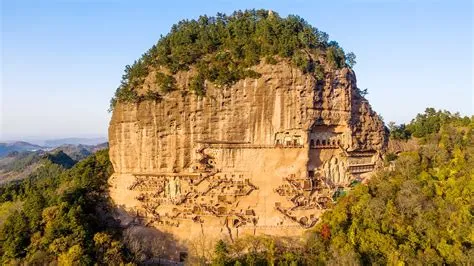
63 59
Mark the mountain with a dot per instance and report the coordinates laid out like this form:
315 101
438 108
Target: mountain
18 146
19 164
242 124
79 152
74 141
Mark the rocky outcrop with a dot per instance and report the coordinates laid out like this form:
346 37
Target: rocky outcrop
262 156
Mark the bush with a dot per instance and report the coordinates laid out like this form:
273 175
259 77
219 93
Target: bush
389 157
271 60
166 83
319 72
197 85
303 62
152 96
350 59
335 56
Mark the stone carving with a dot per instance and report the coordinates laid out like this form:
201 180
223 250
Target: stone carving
263 156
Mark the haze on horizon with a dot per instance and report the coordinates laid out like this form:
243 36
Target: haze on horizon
62 60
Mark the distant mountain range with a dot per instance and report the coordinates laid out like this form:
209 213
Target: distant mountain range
66 143
79 152
74 141
19 146
19 159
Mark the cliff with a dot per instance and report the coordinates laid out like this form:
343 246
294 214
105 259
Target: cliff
243 153
265 153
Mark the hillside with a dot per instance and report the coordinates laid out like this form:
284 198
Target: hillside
79 152
60 216
18 165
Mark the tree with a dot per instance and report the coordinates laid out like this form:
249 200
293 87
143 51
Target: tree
107 250
15 236
398 132
74 256
221 253
431 121
363 92
405 215
350 59
197 85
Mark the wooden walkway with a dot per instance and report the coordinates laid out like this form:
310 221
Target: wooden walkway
361 168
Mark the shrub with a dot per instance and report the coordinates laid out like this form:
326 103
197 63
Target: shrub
303 62
166 83
197 85
271 60
152 95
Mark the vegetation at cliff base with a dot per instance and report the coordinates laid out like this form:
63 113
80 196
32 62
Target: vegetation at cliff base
61 216
418 213
222 50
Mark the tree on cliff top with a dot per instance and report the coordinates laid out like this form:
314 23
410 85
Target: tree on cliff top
223 48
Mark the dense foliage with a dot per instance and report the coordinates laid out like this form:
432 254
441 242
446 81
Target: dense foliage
419 212
222 49
426 124
63 218
431 122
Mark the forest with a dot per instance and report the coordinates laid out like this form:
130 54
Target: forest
61 215
417 210
222 49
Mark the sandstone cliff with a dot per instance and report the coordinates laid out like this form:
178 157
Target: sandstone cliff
262 154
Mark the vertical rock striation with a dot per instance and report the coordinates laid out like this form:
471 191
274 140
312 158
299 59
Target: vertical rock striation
262 156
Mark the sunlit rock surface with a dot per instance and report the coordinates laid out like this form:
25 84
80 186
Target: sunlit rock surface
263 156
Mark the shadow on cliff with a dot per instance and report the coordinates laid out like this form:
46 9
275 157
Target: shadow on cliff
148 245
363 115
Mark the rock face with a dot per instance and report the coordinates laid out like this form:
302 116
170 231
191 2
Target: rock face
263 156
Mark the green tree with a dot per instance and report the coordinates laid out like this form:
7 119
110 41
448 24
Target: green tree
15 236
221 253
74 256
350 59
166 83
398 132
